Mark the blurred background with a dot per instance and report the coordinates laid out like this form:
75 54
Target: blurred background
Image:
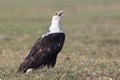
92 30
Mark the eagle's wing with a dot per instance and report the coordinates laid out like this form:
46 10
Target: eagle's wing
44 51
35 48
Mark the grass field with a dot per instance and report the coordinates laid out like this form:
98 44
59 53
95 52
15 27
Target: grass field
92 46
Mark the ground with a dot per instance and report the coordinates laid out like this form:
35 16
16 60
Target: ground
92 46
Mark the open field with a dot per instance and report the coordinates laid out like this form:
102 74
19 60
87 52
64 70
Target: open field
92 46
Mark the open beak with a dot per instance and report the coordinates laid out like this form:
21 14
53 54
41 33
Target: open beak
59 13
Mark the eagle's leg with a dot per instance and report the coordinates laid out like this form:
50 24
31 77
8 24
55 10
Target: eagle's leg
52 62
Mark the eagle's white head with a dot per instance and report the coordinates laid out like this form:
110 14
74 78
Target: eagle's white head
55 24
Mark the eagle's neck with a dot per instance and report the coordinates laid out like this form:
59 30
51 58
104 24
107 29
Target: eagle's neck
55 27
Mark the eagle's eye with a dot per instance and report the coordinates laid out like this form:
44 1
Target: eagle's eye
56 13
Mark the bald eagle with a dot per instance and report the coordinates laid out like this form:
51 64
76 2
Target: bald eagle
45 50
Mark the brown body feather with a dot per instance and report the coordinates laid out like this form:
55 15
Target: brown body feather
44 52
